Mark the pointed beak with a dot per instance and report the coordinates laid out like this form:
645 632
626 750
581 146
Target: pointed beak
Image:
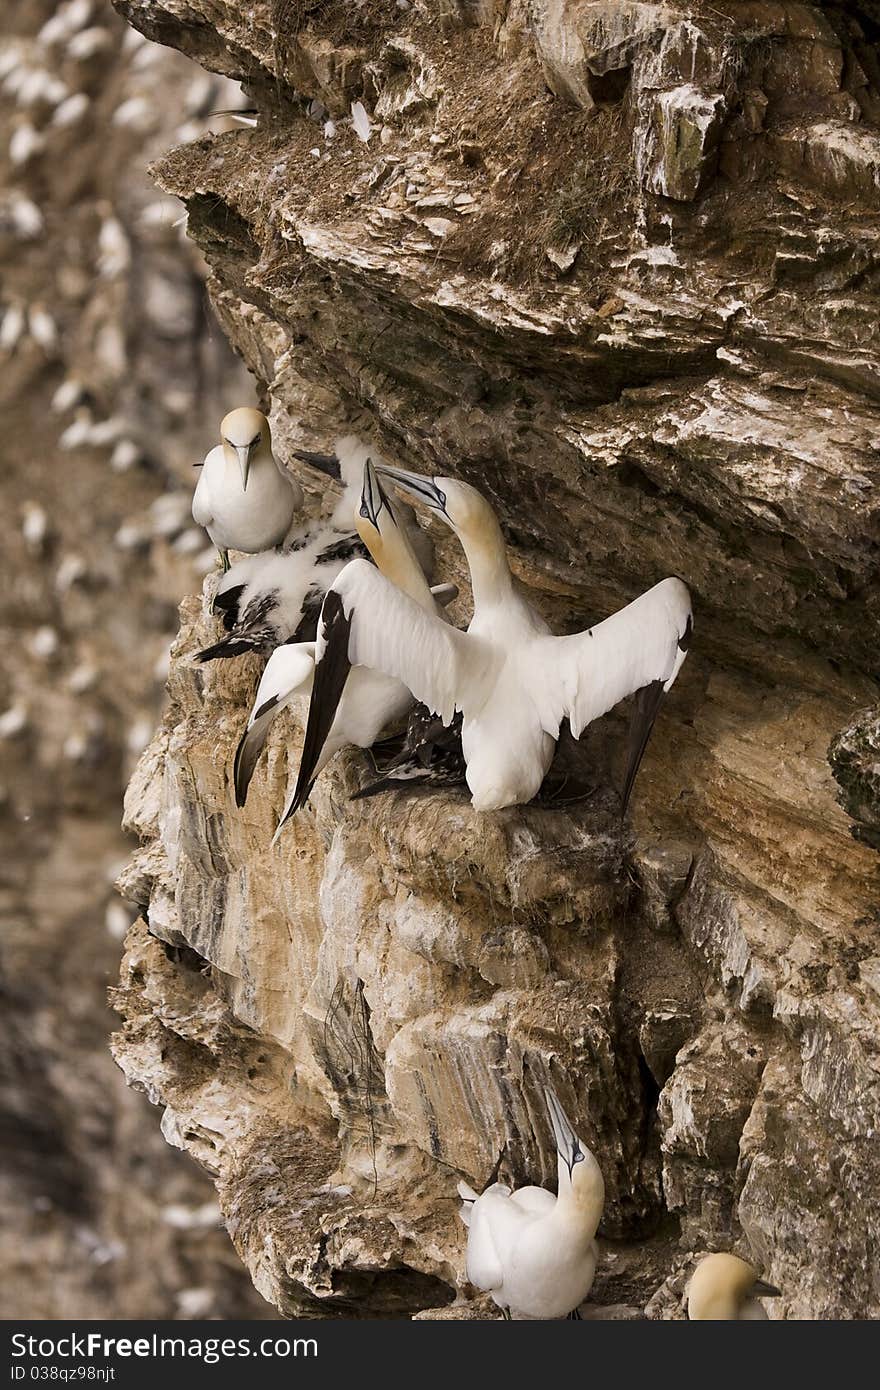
244 462
373 498
419 488
761 1289
567 1143
325 463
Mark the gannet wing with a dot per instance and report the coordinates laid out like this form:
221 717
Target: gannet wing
533 1199
484 1268
202 508
366 620
638 650
288 673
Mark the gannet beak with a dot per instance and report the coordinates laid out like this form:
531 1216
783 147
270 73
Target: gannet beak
373 499
325 463
244 462
422 489
764 1290
567 1143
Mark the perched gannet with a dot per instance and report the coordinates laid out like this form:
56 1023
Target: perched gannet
512 680
242 499
535 1253
724 1288
365 700
275 597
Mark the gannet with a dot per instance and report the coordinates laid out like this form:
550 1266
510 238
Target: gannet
535 1253
365 701
275 597
724 1288
512 680
242 499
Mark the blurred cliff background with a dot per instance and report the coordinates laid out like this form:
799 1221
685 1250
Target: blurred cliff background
113 377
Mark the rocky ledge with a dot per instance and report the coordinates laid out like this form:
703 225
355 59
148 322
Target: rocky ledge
616 264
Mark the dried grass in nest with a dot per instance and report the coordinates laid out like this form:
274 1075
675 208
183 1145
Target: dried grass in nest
557 198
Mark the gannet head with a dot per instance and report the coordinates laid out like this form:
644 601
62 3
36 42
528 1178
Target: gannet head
580 1177
720 1287
378 525
242 432
375 520
461 506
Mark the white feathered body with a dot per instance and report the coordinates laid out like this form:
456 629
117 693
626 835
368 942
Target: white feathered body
532 1252
237 519
506 750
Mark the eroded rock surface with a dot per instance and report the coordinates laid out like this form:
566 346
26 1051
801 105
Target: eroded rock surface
617 265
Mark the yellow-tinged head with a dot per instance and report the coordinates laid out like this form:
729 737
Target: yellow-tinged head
461 506
378 526
242 432
721 1286
580 1178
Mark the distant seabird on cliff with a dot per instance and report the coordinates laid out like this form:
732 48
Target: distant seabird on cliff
275 597
242 498
534 1253
510 678
361 702
724 1288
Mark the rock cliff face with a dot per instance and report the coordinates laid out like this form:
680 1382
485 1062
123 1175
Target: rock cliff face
617 264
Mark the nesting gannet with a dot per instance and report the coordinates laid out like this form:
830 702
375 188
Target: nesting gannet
242 499
272 598
365 701
346 465
724 1288
275 597
510 678
535 1253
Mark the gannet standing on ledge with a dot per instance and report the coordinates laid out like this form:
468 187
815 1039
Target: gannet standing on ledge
358 703
242 498
510 678
535 1253
724 1288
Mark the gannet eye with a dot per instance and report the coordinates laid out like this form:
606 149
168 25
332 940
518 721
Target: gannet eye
578 1156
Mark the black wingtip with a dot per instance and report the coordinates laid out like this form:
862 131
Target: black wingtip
325 463
222 650
331 673
684 640
246 757
646 703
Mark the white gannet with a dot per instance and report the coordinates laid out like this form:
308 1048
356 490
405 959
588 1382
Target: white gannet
512 680
275 597
535 1253
242 498
724 1288
366 700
